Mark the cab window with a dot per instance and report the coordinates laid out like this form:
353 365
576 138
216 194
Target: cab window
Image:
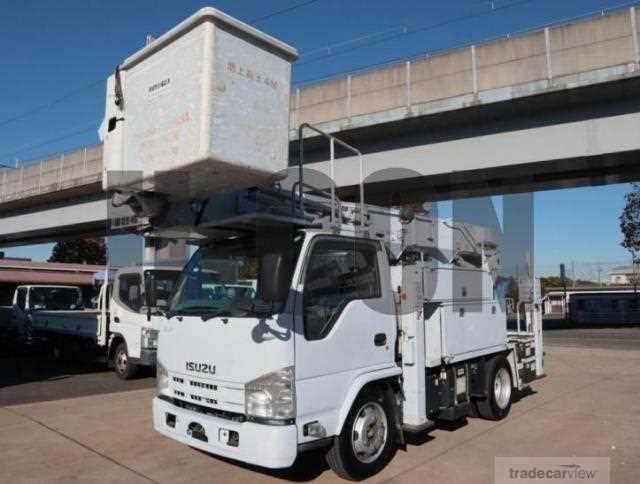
130 291
339 271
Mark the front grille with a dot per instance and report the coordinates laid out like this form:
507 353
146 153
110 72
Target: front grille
198 384
207 393
235 417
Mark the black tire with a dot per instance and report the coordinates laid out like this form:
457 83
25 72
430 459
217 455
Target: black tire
473 408
122 364
496 407
342 457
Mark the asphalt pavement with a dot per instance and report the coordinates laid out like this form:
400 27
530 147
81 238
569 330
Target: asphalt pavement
623 338
587 406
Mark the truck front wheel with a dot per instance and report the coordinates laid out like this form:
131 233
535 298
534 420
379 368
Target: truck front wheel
122 364
367 441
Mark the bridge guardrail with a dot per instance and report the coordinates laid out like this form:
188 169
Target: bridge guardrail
590 50
70 169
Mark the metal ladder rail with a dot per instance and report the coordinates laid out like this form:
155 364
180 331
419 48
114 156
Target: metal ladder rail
332 140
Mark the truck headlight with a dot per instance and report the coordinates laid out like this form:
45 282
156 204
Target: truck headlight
162 379
149 338
272 396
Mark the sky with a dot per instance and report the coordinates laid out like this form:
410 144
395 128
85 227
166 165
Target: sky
56 56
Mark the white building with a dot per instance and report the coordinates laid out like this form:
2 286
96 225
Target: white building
621 275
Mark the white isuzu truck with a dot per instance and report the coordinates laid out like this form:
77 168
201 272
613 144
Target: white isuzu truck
123 329
357 332
361 323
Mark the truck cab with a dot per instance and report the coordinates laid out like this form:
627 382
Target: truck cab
283 361
135 303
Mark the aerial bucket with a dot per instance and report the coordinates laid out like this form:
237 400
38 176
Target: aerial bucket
200 110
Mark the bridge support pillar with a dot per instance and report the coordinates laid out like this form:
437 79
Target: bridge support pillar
165 251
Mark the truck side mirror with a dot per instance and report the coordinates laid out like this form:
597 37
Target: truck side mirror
275 272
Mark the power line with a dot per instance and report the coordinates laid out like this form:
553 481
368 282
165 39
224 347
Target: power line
283 11
70 94
407 32
329 47
50 104
422 53
39 144
403 28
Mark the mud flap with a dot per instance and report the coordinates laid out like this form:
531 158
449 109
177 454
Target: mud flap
397 412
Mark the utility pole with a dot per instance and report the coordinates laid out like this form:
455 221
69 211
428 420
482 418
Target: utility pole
563 279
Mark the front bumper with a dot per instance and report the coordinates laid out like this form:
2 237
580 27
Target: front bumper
271 446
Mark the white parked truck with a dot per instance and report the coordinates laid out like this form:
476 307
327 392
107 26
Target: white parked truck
347 325
361 327
123 329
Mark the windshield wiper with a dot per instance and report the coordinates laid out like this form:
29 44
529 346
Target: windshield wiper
221 312
189 310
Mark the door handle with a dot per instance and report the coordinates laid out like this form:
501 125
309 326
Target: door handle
380 339
116 319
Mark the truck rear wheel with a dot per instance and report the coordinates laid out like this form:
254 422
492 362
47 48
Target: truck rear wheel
367 441
499 388
122 364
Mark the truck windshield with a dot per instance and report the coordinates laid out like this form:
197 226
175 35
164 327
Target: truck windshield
55 298
227 278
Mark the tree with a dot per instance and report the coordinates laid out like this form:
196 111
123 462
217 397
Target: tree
80 251
630 222
555 282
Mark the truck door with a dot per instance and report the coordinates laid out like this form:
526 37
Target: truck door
345 320
126 318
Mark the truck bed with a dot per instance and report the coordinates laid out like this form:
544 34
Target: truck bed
82 323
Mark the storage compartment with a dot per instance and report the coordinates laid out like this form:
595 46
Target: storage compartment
204 108
463 316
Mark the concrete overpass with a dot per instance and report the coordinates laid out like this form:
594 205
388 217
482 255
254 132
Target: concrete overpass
552 108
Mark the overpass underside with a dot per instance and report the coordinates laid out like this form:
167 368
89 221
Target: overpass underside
79 215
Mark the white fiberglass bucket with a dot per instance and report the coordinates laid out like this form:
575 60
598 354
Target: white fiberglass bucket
202 109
